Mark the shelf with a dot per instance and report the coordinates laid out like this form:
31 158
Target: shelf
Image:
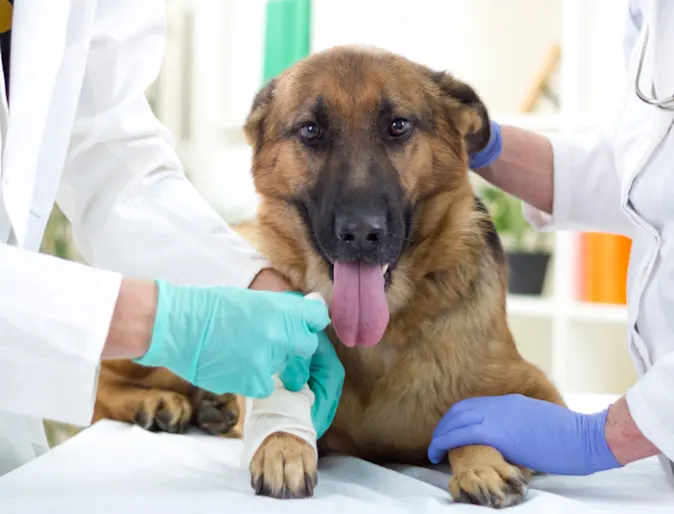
531 307
604 313
536 307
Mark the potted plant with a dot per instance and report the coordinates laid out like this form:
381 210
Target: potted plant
526 248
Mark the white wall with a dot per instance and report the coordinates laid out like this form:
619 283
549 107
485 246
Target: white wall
495 45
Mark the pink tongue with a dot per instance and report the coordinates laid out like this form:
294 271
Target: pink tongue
358 308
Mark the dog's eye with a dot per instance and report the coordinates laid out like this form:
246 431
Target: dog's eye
310 131
399 127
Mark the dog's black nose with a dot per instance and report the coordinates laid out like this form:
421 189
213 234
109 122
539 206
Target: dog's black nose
361 231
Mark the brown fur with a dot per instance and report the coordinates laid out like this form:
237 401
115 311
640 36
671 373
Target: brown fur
157 400
448 337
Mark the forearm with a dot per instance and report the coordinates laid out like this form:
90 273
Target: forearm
623 436
132 322
524 168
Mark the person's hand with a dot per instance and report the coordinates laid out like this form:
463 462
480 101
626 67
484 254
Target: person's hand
532 433
492 150
325 375
232 340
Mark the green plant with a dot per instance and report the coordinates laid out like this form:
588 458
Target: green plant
506 213
57 240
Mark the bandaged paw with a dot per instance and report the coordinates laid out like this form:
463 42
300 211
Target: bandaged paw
282 411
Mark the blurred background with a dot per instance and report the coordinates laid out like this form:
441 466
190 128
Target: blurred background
547 65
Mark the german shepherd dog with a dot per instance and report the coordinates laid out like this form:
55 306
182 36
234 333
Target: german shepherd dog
360 157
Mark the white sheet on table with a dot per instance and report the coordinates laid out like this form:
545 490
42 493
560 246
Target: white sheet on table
115 468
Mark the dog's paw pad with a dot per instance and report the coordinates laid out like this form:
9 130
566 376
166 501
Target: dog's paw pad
284 467
216 415
489 486
164 411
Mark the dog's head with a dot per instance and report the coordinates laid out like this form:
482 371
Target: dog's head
350 145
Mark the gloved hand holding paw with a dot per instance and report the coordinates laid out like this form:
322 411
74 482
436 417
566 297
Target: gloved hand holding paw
325 375
232 340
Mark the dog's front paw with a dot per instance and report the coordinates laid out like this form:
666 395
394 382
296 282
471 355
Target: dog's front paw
216 415
284 467
481 476
163 411
499 485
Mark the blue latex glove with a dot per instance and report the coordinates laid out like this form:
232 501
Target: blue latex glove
325 374
539 435
232 340
491 151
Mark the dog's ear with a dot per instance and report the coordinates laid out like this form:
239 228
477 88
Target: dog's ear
466 109
254 126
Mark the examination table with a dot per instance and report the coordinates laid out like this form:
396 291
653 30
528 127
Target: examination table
113 468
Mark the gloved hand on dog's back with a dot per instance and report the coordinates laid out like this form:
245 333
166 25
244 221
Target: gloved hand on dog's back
232 340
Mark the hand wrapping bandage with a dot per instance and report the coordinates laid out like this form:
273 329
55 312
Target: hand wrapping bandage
282 411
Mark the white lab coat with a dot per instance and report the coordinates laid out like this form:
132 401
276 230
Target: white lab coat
621 181
81 133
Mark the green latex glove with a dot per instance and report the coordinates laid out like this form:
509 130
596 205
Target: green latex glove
325 375
232 340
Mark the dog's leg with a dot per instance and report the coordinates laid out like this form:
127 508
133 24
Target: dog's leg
480 473
156 410
481 476
538 386
284 467
157 400
220 415
280 444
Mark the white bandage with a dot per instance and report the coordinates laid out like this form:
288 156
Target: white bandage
283 411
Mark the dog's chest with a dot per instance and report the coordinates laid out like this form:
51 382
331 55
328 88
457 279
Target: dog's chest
381 361
392 401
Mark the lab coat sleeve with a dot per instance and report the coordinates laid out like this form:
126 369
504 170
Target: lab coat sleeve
131 206
54 318
586 187
651 405
650 399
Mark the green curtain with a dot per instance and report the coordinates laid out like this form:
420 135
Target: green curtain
287 35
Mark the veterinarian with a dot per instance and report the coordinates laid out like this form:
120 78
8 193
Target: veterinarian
622 182
75 127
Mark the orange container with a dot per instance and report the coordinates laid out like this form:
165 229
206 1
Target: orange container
603 267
